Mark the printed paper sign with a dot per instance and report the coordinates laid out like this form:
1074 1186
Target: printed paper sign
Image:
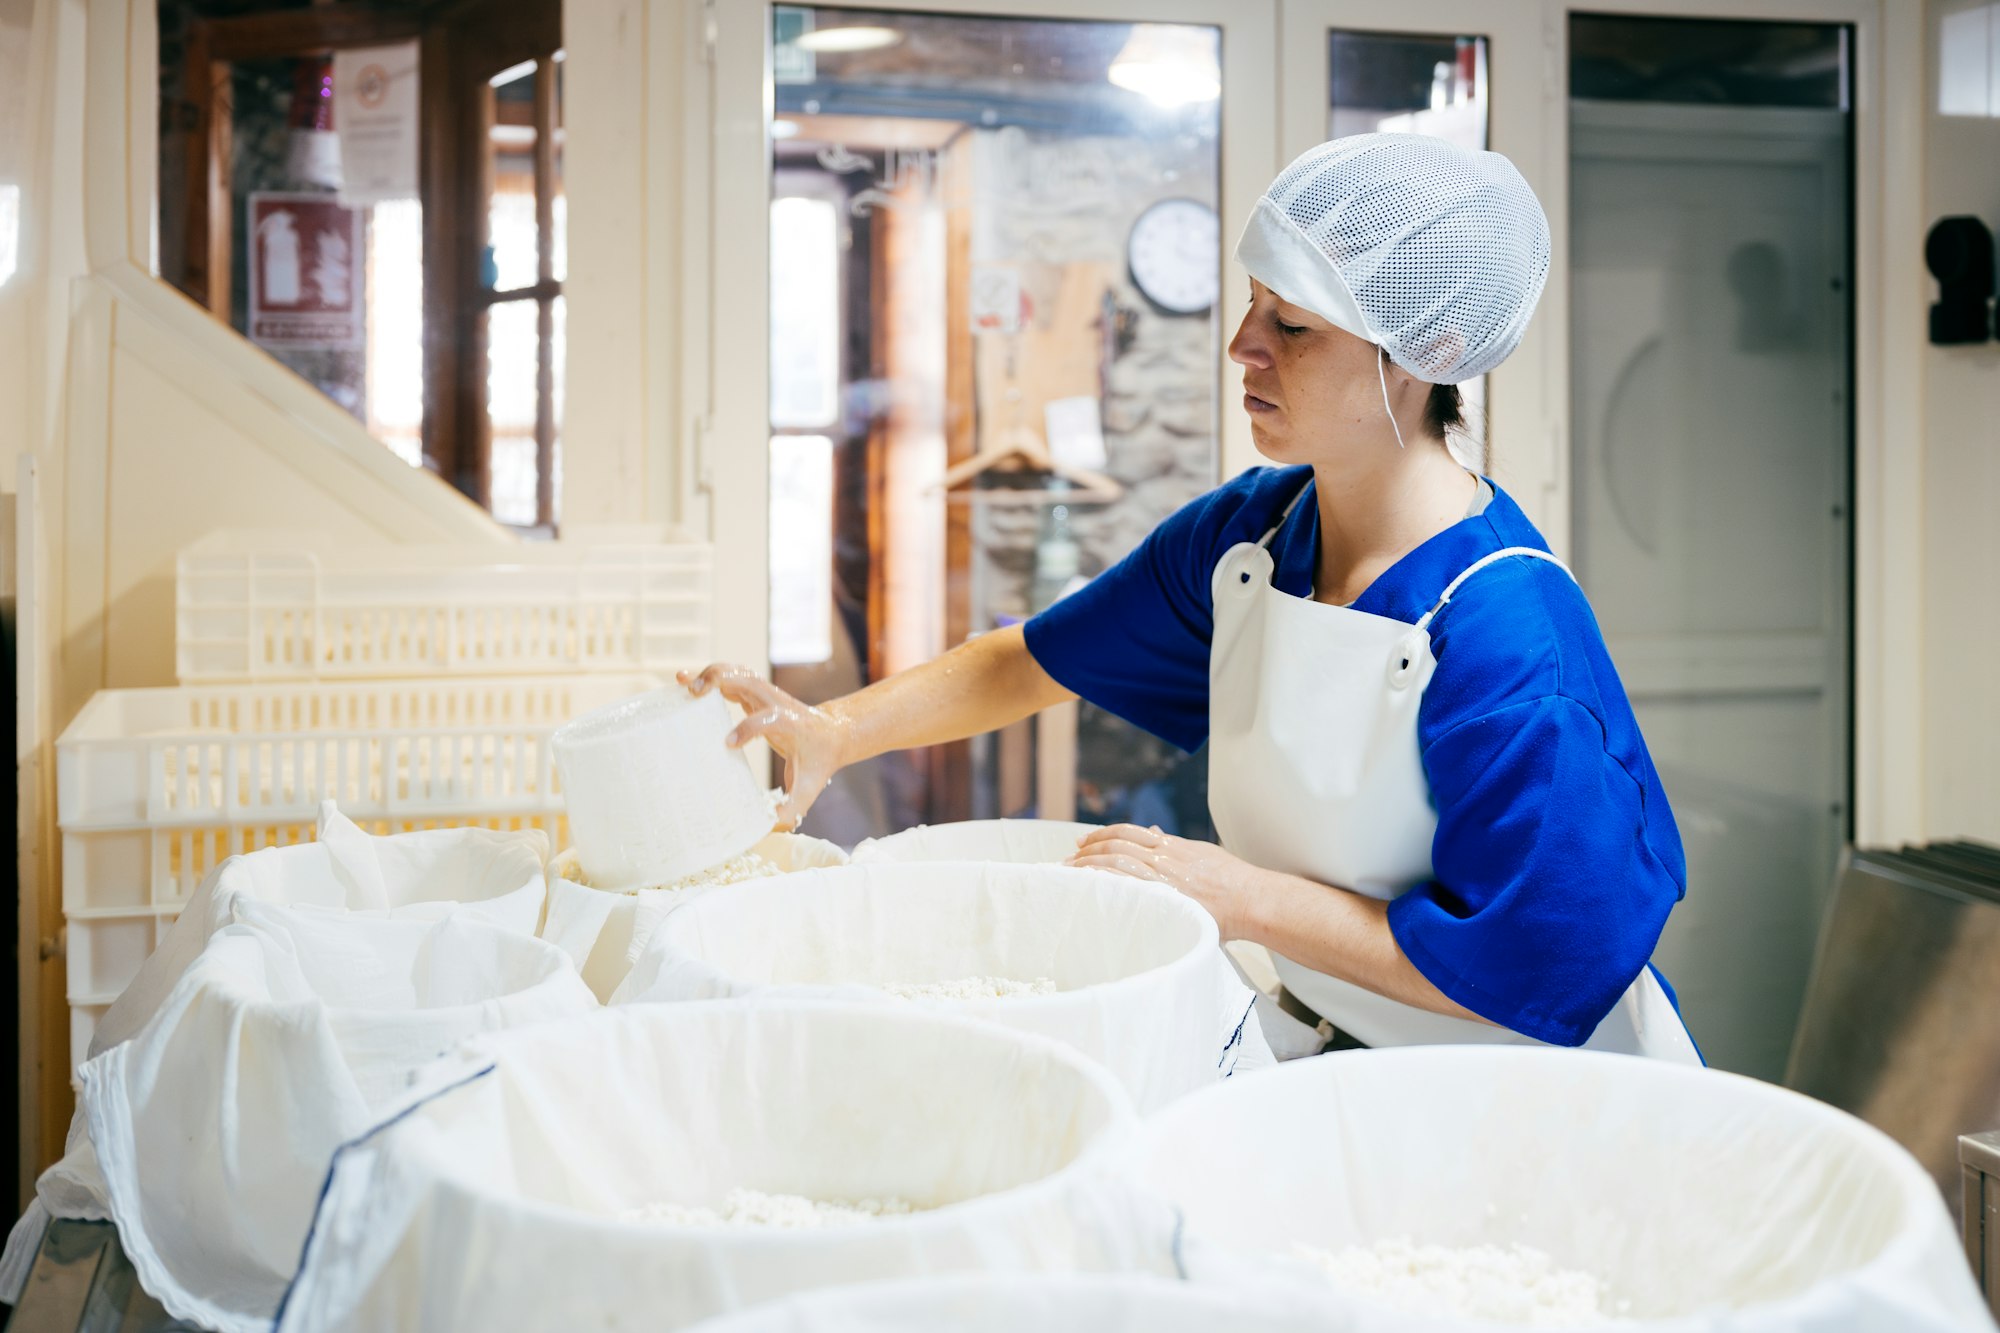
996 299
375 115
305 271
1076 432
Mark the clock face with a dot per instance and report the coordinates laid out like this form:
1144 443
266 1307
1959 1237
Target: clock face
1175 256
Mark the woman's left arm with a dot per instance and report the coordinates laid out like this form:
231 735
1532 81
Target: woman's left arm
1327 929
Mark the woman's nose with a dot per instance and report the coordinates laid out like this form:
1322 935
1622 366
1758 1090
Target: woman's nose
1247 349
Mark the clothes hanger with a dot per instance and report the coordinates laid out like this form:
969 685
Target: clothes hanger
1024 447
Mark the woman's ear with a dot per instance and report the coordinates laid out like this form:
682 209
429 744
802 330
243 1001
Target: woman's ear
1399 378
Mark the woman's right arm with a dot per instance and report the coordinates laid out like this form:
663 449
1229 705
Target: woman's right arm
977 687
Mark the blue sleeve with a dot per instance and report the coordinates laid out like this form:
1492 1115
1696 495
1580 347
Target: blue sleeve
1548 898
1134 640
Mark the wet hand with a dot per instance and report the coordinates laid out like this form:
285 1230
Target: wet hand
1222 883
810 739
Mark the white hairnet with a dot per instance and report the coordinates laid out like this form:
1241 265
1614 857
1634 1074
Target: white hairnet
1433 251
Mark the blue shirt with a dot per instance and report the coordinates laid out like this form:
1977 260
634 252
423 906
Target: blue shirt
1556 858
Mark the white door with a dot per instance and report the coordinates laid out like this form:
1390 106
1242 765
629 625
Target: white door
945 232
1710 288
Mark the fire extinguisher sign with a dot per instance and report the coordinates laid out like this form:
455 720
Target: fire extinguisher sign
305 271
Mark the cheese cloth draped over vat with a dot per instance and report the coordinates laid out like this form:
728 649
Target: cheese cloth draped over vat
1703 1202
604 930
1044 1303
502 1202
288 1011
1142 984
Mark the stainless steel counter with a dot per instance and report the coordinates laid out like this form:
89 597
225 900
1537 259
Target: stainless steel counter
1902 1017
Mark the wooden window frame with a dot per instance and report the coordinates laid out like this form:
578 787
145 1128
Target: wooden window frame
544 292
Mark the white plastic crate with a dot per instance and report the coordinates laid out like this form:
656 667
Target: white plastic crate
272 607
155 788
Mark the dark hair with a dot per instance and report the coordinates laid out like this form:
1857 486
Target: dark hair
1444 411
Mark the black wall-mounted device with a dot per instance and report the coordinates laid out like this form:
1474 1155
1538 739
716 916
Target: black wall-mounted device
1959 253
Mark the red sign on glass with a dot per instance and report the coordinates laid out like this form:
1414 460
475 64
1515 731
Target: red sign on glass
305 271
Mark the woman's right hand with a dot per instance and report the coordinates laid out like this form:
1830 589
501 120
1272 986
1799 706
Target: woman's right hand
812 740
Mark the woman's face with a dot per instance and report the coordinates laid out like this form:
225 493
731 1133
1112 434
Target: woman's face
1311 389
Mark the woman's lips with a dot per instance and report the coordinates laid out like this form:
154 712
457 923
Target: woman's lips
1252 403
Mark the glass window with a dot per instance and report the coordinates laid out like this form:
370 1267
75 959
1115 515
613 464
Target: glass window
1399 83
519 283
1428 83
1711 363
994 354
1717 62
311 237
805 311
395 328
801 537
511 347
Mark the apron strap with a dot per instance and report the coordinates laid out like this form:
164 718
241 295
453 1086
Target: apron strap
1265 540
1482 563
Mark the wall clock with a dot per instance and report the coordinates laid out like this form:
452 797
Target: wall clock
1174 256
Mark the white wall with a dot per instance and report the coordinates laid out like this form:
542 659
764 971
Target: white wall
638 112
1960 649
615 167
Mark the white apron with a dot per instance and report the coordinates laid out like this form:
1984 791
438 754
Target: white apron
1314 769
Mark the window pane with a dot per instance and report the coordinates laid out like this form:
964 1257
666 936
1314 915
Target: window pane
297 288
333 292
988 235
1410 84
334 289
559 359
1427 83
805 312
560 230
1723 62
510 217
396 328
510 405
801 549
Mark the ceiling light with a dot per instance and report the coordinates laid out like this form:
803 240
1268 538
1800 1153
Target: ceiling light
824 41
1169 63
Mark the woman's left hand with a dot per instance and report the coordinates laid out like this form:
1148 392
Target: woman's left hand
1222 883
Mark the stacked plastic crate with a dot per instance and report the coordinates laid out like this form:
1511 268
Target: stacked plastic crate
416 686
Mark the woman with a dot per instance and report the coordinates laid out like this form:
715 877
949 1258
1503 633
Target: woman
1435 807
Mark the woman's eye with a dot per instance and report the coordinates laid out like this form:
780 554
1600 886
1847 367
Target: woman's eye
1290 330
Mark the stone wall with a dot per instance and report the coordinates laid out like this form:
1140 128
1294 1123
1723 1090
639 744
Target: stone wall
1044 199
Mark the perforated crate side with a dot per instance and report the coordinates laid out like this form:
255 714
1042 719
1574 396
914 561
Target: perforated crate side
135 869
380 612
381 749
